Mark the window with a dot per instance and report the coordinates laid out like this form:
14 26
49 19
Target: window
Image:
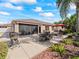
26 29
34 29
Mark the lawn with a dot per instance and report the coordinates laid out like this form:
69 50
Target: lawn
3 50
1 33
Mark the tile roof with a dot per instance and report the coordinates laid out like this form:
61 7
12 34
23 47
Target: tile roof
31 21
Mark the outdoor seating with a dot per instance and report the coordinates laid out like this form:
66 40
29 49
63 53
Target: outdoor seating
55 37
14 38
44 36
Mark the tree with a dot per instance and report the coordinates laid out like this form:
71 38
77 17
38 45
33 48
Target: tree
59 22
64 5
69 23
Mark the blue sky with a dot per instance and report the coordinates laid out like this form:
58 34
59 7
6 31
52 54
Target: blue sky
44 10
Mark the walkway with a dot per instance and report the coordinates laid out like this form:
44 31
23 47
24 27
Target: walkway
25 51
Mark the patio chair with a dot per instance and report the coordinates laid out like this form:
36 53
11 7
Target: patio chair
56 38
44 36
14 38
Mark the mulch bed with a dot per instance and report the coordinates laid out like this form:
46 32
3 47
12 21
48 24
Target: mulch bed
48 54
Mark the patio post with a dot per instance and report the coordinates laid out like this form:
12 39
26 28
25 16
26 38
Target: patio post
38 29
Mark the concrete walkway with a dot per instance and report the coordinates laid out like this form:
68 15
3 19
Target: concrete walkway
25 51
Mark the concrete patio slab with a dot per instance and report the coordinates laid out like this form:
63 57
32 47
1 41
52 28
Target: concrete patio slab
25 51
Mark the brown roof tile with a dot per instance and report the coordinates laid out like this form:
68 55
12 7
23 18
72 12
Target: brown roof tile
31 21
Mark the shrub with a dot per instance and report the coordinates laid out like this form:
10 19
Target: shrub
70 36
68 41
3 50
58 48
77 33
76 43
67 31
75 57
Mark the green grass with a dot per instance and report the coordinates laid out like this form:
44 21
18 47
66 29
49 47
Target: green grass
3 50
1 33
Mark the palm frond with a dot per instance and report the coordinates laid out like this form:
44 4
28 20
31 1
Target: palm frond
63 5
58 2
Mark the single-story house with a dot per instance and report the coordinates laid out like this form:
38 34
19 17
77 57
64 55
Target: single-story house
4 29
58 27
5 25
31 26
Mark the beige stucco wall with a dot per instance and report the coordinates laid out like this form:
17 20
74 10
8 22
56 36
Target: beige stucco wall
50 29
16 29
42 28
59 28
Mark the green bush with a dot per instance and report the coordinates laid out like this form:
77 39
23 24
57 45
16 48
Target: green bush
67 31
3 50
58 48
75 57
77 33
68 41
76 43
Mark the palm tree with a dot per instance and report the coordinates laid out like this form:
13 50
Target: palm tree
64 6
70 22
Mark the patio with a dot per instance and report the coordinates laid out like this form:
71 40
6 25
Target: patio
29 47
25 51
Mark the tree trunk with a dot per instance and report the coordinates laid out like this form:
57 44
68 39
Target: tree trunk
77 13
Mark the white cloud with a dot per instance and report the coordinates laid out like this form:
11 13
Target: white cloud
48 14
4 13
38 9
50 4
14 0
9 5
26 1
30 1
19 8
3 22
72 6
69 15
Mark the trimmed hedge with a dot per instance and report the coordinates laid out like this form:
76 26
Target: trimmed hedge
3 50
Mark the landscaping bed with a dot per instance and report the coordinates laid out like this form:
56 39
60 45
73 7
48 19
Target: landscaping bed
47 54
3 50
64 50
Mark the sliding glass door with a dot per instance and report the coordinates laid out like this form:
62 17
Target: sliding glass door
26 29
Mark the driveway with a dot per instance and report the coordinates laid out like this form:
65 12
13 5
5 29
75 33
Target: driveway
25 51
